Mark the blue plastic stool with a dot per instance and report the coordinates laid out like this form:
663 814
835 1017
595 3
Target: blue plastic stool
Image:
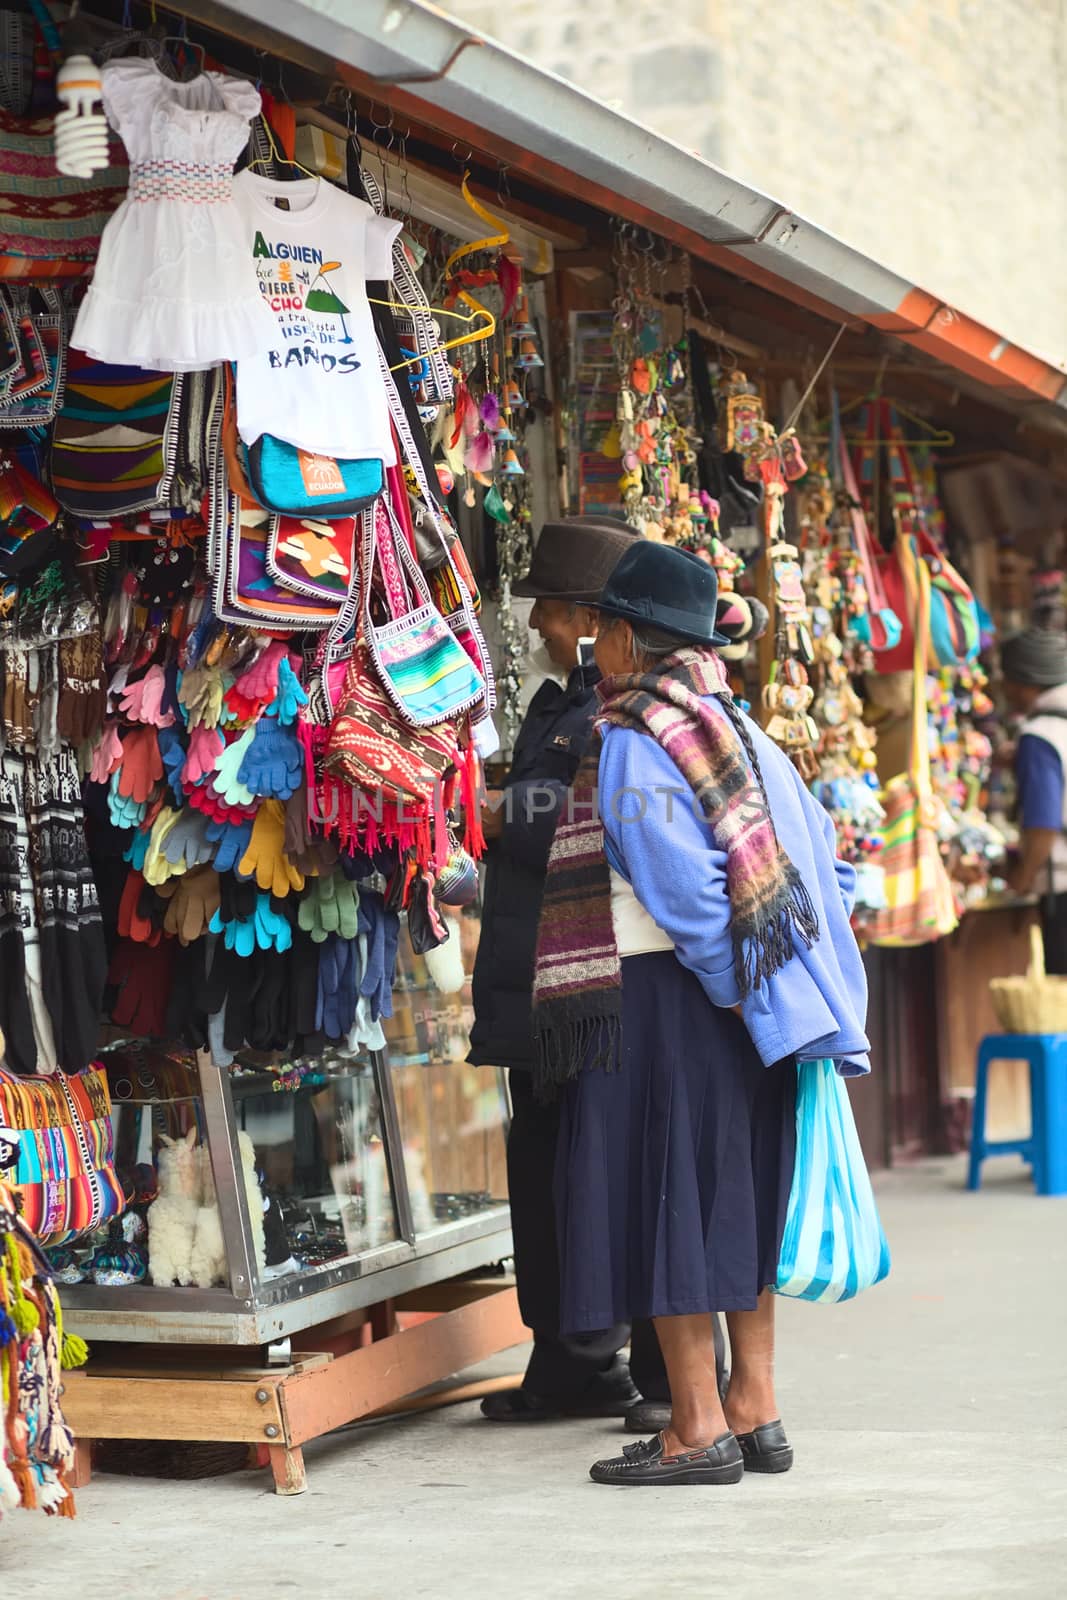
1046 1147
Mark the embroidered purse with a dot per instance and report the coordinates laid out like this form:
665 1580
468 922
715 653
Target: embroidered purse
423 668
295 483
27 515
56 1135
370 747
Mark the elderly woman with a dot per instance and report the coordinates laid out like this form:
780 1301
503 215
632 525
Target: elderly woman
694 945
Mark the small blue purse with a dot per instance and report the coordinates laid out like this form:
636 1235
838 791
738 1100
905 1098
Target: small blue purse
295 483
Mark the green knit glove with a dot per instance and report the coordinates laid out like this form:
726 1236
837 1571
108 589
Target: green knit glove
331 905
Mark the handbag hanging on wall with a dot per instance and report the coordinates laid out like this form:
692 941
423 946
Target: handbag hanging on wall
919 902
57 1140
423 668
952 635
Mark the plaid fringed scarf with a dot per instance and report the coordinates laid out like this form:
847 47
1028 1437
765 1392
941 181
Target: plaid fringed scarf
578 983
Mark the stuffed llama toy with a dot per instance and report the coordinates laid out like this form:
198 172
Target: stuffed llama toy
207 1261
185 1240
172 1216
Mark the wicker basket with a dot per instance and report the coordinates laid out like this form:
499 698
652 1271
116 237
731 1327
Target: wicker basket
1035 1003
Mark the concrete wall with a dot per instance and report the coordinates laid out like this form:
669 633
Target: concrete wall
932 134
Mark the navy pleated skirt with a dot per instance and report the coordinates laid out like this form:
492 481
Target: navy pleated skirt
673 1172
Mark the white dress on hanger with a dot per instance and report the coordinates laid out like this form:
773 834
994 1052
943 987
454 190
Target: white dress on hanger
174 288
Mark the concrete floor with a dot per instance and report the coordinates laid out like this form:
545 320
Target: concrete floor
930 1420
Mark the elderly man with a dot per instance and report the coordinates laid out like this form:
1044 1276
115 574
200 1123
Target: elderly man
583 1375
1034 668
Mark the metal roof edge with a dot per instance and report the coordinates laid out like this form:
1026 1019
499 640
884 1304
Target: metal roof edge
475 84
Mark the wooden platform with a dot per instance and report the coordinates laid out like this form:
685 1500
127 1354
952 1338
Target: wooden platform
344 1371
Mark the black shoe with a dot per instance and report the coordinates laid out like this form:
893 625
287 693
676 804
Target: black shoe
645 1463
650 1416
766 1449
607 1394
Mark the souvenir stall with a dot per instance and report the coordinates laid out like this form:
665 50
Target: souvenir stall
274 449
246 701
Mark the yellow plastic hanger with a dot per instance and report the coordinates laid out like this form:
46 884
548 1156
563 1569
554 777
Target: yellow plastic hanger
494 241
485 331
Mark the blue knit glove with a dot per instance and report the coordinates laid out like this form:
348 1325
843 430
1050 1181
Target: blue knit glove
273 931
274 762
137 848
232 839
172 750
288 697
239 935
188 842
382 928
124 812
335 1011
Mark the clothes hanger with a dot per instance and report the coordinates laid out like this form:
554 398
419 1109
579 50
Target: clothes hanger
485 331
276 156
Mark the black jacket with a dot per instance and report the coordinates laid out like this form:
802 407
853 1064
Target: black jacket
551 741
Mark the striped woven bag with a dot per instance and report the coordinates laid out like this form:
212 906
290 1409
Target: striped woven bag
116 438
57 1138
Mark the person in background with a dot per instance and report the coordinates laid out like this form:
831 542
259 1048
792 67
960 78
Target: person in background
694 945
584 1375
1034 669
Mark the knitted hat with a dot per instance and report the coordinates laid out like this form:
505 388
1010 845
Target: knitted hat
1035 657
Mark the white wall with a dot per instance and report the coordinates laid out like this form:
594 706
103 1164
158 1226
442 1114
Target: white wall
931 134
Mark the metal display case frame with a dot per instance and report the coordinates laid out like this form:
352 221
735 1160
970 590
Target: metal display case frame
250 1312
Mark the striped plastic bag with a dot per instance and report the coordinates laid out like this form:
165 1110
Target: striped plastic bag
833 1245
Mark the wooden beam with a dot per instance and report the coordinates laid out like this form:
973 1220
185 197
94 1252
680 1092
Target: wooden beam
174 1408
353 1386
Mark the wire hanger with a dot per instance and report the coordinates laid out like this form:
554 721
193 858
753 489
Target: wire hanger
276 156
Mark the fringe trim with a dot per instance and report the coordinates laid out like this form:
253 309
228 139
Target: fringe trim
568 1046
761 952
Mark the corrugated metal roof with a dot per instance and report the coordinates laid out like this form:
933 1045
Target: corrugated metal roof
549 129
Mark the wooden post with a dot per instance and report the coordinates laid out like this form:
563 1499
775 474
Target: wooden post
287 1466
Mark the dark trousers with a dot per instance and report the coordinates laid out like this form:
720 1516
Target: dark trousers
560 1365
1054 929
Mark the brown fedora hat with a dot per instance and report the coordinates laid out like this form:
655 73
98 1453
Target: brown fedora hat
573 559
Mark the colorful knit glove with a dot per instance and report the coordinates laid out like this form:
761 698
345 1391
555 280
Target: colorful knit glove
274 762
289 695
331 905
226 780
232 839
265 859
205 747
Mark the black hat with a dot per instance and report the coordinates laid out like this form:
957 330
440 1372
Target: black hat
1036 657
572 559
665 588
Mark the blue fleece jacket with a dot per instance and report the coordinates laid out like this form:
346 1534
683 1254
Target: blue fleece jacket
813 1007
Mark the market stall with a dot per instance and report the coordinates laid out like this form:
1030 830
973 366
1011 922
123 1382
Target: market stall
269 480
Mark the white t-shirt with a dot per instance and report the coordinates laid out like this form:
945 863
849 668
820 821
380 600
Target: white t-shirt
319 386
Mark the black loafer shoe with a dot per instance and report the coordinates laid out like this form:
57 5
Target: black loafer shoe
608 1394
645 1464
651 1416
766 1449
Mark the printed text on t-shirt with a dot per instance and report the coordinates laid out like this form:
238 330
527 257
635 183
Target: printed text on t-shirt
294 279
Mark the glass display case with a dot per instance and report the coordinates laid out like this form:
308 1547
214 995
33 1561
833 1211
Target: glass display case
339 1181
